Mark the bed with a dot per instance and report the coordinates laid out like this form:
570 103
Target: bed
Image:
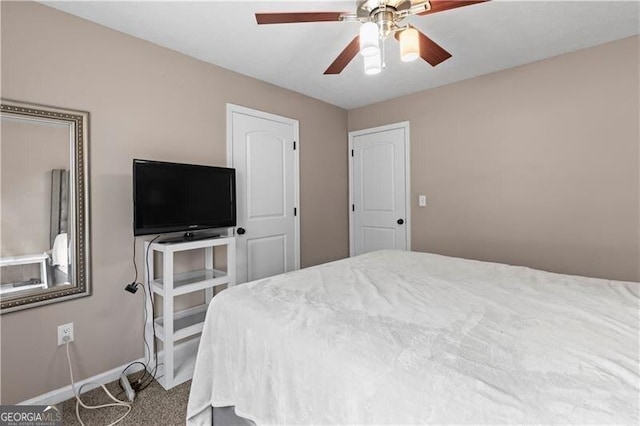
393 337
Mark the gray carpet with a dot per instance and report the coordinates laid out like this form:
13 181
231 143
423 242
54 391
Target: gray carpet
152 406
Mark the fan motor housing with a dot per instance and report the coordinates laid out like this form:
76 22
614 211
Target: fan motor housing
371 5
385 19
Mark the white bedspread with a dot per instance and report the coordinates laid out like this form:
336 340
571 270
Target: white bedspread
414 338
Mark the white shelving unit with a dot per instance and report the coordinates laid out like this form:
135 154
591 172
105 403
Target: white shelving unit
40 259
185 326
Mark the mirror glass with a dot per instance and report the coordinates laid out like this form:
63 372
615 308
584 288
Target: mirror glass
43 205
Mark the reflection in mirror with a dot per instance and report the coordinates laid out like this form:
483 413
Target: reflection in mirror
43 233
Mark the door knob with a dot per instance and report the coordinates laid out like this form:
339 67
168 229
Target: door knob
400 221
241 231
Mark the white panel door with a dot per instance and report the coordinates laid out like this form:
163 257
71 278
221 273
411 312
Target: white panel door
379 189
265 160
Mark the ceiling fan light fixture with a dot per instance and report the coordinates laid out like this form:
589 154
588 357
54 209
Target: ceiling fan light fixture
372 64
409 45
369 39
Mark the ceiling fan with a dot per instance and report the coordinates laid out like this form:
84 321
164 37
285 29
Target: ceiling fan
380 19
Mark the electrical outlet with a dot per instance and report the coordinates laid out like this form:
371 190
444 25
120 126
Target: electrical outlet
65 333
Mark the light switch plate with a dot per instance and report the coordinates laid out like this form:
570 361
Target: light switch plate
422 200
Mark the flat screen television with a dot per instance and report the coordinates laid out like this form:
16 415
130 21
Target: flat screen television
174 197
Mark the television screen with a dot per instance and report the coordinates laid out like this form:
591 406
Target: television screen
172 197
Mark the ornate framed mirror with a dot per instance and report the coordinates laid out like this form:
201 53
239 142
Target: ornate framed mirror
45 245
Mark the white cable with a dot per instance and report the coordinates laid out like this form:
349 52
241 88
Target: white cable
79 402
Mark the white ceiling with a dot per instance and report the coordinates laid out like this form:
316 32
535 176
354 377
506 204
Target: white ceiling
482 38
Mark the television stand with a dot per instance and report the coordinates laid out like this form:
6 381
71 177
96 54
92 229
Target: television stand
179 329
188 236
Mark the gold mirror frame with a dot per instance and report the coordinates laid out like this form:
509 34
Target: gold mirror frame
78 123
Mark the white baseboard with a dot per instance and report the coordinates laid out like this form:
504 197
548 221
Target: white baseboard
59 395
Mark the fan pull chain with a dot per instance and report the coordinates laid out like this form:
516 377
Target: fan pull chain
384 62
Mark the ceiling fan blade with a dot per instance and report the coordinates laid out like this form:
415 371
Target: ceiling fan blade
442 5
293 17
344 57
430 51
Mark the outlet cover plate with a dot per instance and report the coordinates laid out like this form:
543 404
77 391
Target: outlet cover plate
63 331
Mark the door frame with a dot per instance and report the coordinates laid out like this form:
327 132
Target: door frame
232 108
407 159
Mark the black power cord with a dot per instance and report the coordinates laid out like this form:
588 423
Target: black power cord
133 287
147 378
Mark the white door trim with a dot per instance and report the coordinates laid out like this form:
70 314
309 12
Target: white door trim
401 125
231 108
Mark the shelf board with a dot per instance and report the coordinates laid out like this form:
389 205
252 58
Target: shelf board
191 245
26 259
186 323
188 282
9 288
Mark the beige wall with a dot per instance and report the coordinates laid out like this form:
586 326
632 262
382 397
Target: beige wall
535 166
145 102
